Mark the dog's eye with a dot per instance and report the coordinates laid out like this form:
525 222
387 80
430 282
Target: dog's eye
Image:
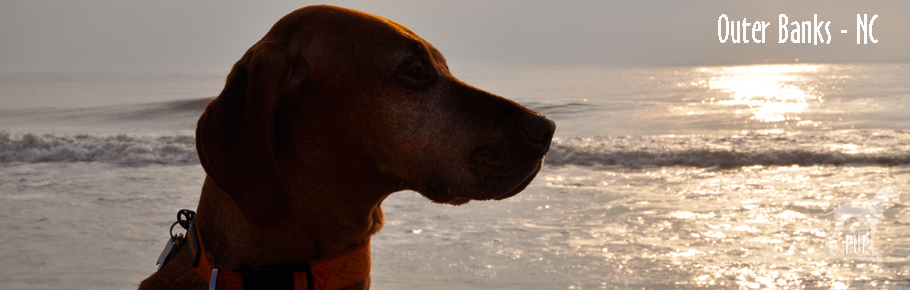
415 73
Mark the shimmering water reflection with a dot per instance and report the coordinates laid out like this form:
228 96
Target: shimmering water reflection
751 227
765 93
770 93
662 227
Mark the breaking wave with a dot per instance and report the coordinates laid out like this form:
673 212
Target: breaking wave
106 148
834 148
830 148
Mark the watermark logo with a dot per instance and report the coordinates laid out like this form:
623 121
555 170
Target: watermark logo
858 241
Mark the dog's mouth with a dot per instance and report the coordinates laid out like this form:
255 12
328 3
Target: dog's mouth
447 197
438 196
523 184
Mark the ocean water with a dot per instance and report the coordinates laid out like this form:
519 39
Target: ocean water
658 177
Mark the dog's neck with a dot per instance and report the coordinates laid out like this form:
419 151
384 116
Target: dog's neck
321 219
333 203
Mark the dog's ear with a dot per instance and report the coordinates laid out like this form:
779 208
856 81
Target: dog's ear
235 136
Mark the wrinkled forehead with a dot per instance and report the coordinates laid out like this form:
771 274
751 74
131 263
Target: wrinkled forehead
341 35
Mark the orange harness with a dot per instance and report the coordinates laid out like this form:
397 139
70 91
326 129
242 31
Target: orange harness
335 271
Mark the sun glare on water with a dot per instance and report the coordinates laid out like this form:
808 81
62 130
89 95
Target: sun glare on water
770 93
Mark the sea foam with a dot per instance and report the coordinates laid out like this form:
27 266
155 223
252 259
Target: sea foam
831 148
834 148
107 148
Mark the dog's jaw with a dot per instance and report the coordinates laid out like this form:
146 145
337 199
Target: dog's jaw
447 196
438 196
524 184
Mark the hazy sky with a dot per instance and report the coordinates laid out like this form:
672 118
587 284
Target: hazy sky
198 35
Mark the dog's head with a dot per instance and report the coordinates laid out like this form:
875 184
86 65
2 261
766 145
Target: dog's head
887 192
327 79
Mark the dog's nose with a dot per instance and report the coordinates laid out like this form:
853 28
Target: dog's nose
540 129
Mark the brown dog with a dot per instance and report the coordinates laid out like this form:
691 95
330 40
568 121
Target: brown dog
322 119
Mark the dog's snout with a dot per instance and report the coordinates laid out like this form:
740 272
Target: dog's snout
540 129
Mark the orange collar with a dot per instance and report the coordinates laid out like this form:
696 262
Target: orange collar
335 271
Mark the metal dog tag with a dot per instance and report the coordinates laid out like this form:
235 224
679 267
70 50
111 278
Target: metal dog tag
170 249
